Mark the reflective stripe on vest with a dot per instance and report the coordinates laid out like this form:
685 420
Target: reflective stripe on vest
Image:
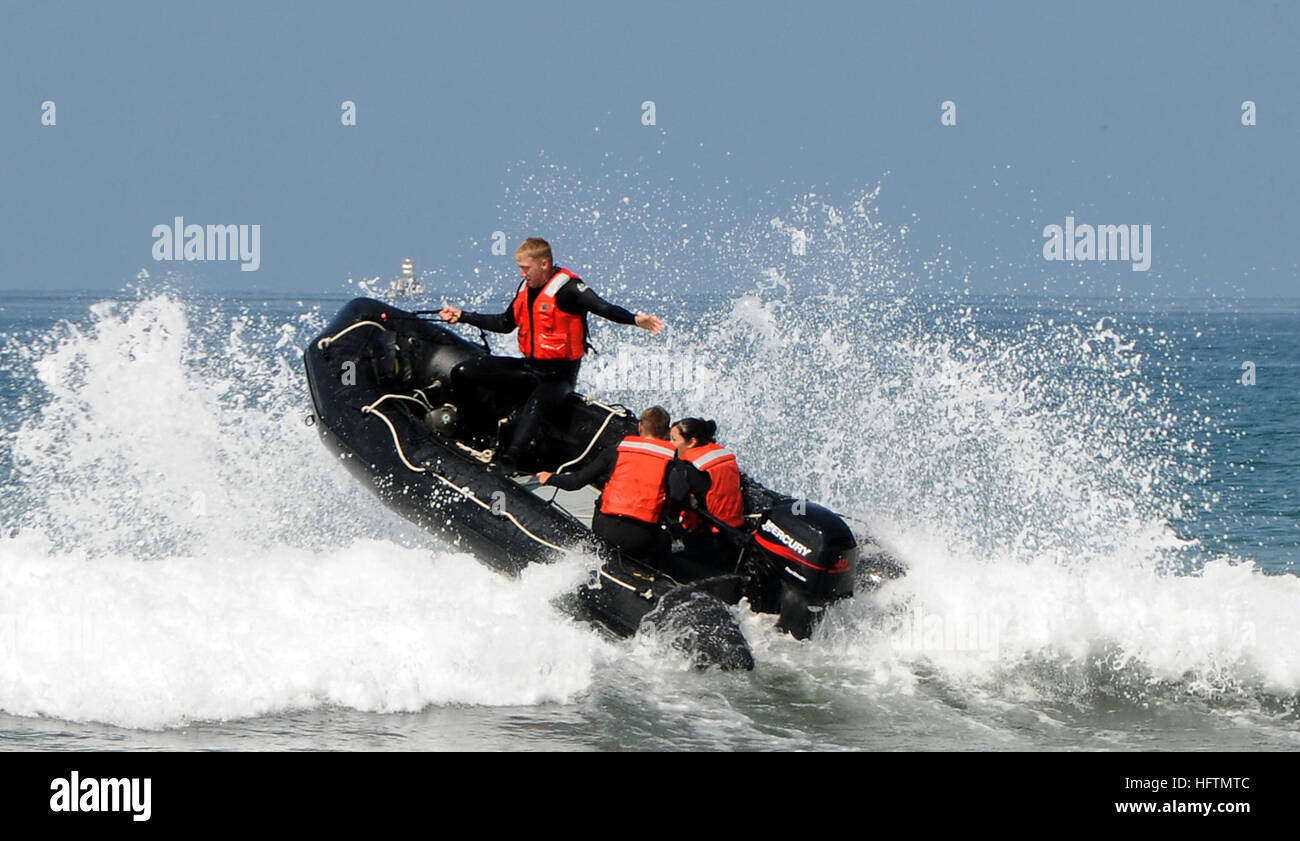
724 499
545 330
638 486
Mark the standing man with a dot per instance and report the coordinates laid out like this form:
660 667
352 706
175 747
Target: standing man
550 311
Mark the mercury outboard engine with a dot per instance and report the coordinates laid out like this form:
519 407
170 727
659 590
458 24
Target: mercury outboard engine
802 557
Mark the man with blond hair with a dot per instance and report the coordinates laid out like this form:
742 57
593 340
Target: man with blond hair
549 310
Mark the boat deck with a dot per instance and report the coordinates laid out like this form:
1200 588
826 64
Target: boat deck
580 503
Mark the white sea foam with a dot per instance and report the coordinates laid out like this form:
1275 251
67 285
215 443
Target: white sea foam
180 547
1032 477
371 626
1031 481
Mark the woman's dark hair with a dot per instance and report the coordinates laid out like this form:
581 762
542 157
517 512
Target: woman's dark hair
701 431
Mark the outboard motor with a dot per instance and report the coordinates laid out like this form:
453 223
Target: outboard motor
802 558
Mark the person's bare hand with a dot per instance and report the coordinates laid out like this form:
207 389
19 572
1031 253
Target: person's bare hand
650 322
450 313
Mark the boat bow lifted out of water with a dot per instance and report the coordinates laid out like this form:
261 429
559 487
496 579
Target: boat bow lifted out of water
379 386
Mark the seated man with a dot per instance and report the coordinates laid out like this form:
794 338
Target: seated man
550 311
643 482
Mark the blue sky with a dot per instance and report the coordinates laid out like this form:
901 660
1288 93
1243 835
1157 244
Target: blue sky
1115 113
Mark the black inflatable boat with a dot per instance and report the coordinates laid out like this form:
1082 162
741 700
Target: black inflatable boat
378 378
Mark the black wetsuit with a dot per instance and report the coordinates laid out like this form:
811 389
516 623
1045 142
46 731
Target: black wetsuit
547 381
641 540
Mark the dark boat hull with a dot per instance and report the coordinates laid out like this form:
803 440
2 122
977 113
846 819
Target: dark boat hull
378 376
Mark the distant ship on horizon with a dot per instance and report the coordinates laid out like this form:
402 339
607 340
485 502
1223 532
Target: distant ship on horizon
406 283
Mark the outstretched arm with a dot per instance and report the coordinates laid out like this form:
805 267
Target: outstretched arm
598 468
503 323
579 299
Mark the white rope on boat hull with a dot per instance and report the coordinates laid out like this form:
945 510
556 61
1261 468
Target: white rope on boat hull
609 417
329 340
464 491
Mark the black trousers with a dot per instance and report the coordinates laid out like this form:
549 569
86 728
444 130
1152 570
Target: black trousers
509 380
643 541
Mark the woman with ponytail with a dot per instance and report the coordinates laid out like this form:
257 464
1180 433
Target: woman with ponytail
694 440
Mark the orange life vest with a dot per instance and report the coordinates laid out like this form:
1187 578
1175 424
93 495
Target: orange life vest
724 500
638 486
545 330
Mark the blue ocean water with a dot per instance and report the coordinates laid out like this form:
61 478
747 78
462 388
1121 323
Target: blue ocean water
1097 512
